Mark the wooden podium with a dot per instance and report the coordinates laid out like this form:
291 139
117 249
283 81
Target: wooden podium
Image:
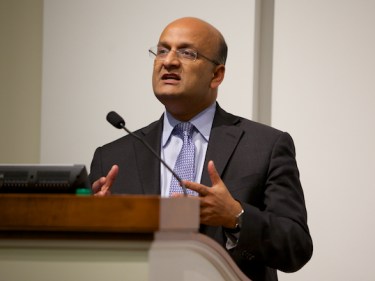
70 237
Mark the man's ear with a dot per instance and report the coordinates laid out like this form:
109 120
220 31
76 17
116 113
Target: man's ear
218 76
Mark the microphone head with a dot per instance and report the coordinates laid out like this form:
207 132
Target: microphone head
116 120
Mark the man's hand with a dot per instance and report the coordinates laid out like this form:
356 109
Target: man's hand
218 208
102 186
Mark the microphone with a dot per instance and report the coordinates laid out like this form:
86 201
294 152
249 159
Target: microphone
118 122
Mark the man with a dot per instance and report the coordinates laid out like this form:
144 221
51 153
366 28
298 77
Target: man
245 173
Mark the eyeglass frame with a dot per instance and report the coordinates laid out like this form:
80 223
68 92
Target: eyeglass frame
153 51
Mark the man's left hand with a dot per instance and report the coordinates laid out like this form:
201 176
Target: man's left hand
218 208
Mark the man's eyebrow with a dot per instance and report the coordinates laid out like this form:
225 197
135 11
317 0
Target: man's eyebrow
180 45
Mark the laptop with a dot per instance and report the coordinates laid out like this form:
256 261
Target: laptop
41 178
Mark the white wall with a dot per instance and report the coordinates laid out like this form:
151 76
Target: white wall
95 59
324 95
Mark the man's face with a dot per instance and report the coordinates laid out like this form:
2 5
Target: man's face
185 86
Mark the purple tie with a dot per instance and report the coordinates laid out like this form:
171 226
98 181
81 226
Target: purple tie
184 166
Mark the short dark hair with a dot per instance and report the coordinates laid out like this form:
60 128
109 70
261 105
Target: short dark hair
223 50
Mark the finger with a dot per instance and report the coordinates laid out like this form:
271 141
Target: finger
103 185
214 175
96 186
111 176
102 192
200 188
177 195
109 179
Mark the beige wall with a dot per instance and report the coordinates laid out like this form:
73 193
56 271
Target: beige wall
20 80
324 95
95 59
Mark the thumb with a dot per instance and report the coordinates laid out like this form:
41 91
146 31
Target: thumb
214 175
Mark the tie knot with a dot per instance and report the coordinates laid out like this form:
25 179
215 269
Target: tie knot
184 129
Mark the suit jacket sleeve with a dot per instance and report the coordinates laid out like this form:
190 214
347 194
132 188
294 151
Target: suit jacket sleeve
275 232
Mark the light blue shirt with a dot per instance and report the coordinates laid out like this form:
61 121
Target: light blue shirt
171 145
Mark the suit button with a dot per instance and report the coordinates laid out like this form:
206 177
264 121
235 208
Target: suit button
247 255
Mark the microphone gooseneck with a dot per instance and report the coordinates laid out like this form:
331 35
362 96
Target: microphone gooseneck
118 122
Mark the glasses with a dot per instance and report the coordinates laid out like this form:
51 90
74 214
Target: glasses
160 53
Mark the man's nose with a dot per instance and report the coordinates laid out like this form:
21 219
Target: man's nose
172 58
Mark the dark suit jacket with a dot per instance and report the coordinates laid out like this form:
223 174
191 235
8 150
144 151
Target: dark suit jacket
257 164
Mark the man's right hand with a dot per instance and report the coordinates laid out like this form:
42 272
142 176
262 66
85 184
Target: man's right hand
102 186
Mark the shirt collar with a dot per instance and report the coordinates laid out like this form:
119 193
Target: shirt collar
202 122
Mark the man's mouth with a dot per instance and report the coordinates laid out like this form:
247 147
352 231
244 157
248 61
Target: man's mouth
171 76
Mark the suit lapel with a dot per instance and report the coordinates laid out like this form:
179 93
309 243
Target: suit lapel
224 138
148 164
